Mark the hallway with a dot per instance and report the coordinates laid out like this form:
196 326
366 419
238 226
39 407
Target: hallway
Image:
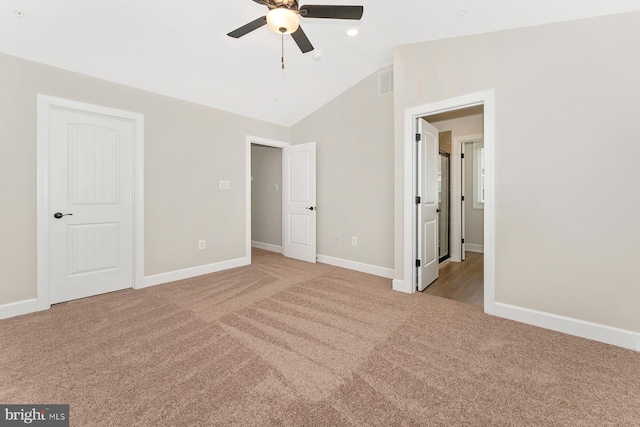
461 281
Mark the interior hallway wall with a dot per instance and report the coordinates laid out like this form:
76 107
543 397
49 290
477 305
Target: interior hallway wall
474 218
266 195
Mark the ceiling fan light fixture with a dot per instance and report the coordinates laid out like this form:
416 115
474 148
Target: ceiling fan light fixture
283 21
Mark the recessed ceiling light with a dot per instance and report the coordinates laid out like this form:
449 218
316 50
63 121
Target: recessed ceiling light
462 13
19 13
353 32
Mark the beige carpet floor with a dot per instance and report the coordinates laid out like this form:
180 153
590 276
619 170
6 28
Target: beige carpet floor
283 342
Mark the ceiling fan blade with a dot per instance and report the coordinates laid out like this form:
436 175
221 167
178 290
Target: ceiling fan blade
246 29
302 40
331 12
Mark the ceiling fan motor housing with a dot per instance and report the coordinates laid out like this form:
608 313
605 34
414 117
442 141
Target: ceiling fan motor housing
289 4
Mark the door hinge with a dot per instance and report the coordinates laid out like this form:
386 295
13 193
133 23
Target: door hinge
418 200
463 198
418 137
462 240
463 155
417 263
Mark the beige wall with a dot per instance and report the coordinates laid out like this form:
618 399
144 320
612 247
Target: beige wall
188 150
567 143
354 133
474 218
266 201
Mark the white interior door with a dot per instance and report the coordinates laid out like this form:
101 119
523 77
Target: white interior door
91 185
299 192
427 208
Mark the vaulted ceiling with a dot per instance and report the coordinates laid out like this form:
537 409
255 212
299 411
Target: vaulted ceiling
180 48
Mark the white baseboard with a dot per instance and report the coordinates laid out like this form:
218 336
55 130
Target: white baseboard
357 266
267 246
474 248
187 273
401 286
18 308
580 328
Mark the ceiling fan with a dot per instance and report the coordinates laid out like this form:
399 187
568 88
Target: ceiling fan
284 18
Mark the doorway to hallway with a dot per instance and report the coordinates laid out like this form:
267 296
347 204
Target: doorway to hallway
484 102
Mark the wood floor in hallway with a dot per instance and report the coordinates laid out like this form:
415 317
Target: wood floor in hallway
461 281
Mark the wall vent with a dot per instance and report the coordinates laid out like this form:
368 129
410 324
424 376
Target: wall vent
385 82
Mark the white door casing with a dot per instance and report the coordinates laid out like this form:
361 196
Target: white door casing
463 201
404 280
299 201
90 166
427 209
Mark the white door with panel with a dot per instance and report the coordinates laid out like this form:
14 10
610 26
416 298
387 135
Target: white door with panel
427 207
90 187
299 191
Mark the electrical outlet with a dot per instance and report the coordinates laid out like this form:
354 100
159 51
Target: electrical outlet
354 241
202 244
275 187
225 185
338 238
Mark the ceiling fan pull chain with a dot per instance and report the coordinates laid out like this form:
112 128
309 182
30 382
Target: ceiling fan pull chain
282 58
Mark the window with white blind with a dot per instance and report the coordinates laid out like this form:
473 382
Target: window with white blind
478 175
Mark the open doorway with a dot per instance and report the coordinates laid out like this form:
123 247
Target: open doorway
412 222
266 198
460 138
264 158
293 182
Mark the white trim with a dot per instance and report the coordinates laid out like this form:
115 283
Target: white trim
259 141
579 328
470 247
477 146
188 273
44 105
456 193
486 98
357 266
266 246
18 308
401 286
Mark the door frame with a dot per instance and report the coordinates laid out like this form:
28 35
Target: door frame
45 104
486 98
256 140
457 184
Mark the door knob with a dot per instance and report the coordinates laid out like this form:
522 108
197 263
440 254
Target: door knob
311 208
59 215
438 211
